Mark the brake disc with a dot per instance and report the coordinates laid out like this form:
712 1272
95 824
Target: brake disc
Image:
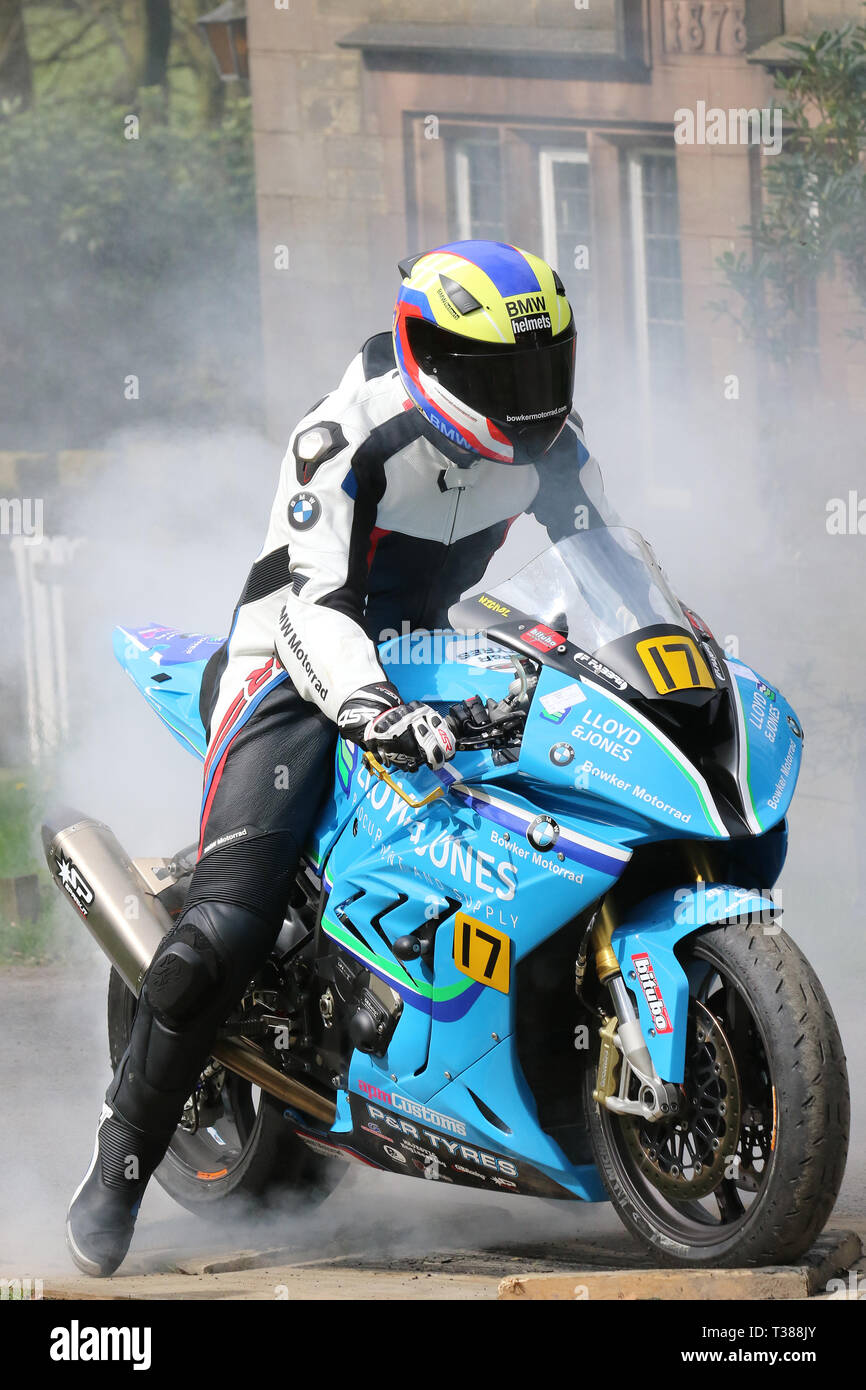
685 1157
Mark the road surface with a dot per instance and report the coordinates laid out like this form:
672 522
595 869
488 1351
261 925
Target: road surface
375 1237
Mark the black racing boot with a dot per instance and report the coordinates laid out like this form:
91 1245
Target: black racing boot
101 1216
195 978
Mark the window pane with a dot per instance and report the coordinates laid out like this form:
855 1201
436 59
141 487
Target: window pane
661 296
478 181
568 203
664 300
666 348
663 258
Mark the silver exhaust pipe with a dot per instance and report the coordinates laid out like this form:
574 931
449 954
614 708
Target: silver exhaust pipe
122 914
116 899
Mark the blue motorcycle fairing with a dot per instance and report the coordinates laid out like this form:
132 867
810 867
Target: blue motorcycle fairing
488 855
581 737
650 933
443 667
513 1153
167 666
770 747
498 1074
377 1123
467 854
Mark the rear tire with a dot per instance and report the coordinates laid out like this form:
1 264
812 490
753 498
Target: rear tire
792 1114
260 1162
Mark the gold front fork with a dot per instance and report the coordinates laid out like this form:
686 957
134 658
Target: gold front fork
701 864
605 923
606 963
608 969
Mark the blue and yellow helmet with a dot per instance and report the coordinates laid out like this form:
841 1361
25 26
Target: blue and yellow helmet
485 342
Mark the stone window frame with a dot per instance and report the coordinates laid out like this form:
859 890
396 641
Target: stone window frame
635 155
430 197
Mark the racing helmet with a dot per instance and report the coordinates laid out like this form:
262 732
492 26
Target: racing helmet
484 340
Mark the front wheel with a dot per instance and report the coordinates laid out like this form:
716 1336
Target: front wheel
748 1171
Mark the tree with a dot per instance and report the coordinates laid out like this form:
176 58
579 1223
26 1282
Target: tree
157 42
117 48
194 53
814 216
16 75
128 254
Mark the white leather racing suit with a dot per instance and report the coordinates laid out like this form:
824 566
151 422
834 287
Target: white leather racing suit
374 524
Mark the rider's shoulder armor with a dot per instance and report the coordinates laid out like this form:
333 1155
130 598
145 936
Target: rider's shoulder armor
314 445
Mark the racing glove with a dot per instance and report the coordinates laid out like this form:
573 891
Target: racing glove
400 735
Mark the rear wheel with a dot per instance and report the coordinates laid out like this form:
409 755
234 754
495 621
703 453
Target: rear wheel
749 1169
233 1145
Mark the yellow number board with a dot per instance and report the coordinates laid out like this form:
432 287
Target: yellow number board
482 952
675 663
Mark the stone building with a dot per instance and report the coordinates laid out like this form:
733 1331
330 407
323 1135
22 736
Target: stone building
383 127
386 126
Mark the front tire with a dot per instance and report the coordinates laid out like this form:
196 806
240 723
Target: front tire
766 1093
247 1159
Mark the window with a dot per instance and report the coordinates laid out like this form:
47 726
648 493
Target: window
566 224
477 189
658 284
566 230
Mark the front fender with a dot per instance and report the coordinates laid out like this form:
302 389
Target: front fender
644 945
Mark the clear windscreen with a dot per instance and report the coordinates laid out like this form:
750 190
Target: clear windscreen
604 583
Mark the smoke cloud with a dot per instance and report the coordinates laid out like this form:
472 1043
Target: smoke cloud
167 533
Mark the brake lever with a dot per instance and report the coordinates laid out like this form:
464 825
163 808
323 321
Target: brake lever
379 770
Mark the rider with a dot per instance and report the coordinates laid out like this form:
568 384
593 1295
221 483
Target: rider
395 491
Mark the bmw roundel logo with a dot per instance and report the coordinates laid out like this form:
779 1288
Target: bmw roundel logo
561 754
543 833
794 727
304 511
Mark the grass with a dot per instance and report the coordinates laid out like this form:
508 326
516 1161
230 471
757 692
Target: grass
48 937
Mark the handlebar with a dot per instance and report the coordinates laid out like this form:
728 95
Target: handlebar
474 726
477 725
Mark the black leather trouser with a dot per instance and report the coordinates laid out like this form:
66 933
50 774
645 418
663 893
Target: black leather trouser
262 797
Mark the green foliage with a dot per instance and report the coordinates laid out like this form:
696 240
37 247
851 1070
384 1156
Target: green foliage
124 257
103 202
814 215
50 934
98 47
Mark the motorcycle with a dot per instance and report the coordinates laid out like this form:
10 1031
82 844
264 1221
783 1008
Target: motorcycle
555 967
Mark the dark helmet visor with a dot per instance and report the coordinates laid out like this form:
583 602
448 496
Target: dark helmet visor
527 391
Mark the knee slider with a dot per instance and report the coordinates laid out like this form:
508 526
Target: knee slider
182 977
